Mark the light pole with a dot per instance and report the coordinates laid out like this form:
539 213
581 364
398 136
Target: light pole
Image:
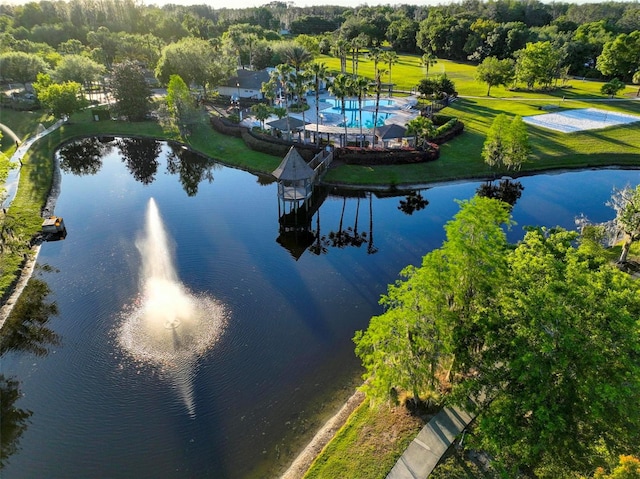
238 100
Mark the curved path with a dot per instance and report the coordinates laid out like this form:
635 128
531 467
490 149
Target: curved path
11 186
9 132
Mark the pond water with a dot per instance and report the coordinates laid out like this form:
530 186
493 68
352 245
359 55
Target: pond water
283 310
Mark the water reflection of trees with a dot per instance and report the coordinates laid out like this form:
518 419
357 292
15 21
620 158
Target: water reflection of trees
191 167
346 236
83 157
140 155
414 201
14 420
504 190
24 330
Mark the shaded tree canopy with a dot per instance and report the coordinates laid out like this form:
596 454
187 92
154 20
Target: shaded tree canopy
131 91
542 334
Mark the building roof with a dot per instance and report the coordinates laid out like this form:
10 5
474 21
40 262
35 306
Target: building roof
281 124
293 167
248 79
391 131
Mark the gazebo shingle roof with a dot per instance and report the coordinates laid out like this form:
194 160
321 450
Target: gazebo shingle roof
281 124
293 168
391 131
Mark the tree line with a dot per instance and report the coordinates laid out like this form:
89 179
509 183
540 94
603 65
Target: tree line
540 338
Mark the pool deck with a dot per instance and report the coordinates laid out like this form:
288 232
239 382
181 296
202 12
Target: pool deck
400 113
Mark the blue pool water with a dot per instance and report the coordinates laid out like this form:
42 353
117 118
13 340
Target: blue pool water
352 112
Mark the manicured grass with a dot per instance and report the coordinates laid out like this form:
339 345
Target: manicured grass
369 444
461 158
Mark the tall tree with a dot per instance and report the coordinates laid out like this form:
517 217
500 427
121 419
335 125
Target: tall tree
493 150
495 72
427 61
340 49
131 91
559 361
78 68
341 89
621 56
297 56
21 67
196 61
507 143
390 58
181 105
282 76
430 319
319 75
537 63
360 87
626 203
517 146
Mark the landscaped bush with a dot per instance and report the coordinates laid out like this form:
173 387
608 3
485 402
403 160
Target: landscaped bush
394 156
221 125
450 130
277 146
102 113
439 119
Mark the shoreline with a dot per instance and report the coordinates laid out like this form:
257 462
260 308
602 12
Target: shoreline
323 436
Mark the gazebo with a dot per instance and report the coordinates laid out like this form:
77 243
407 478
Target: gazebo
293 124
387 133
295 180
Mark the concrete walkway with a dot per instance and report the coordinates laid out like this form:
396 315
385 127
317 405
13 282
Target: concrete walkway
11 185
425 451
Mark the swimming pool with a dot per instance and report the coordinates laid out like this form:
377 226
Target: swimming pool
352 112
352 118
352 104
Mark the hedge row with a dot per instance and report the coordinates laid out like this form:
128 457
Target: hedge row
392 156
453 128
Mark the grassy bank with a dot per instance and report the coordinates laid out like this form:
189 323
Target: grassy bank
369 444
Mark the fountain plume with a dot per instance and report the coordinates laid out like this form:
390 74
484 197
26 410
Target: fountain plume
168 327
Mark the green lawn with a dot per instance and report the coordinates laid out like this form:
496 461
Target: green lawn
461 158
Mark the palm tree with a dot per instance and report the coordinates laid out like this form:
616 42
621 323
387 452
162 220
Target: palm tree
390 57
360 87
375 54
261 112
340 49
636 80
319 73
301 82
428 60
379 73
357 43
421 128
340 88
282 74
297 56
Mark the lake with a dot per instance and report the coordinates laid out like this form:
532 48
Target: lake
283 310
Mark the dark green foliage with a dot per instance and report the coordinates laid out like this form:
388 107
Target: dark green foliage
131 91
24 329
544 335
